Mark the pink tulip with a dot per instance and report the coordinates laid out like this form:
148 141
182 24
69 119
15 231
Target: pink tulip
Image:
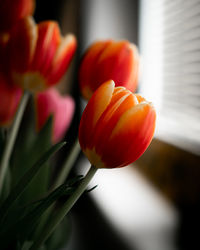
50 102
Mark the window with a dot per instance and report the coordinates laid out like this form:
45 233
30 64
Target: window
170 49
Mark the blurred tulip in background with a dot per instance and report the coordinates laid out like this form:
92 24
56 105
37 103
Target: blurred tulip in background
109 60
42 57
12 11
50 102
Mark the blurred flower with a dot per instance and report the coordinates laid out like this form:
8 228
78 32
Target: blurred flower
109 60
50 102
3 44
10 97
116 126
13 10
37 56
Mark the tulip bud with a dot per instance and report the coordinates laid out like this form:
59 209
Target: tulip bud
37 54
116 126
10 97
109 60
49 103
12 11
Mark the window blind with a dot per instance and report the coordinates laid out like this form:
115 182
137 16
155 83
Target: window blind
169 42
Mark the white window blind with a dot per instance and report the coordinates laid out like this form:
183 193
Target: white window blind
169 42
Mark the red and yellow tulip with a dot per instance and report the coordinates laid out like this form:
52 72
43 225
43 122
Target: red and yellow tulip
37 55
109 60
116 126
10 97
50 102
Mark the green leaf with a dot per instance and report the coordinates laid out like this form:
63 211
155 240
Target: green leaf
61 235
59 214
31 220
2 140
25 225
73 182
26 179
40 183
6 186
22 159
28 244
29 147
45 205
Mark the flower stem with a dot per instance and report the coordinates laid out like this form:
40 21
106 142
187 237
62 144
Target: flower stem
62 176
11 138
67 165
61 212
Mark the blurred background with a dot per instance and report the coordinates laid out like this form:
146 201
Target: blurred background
154 204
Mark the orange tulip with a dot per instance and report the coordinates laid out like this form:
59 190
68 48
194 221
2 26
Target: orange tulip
50 102
13 10
37 55
10 97
109 60
116 126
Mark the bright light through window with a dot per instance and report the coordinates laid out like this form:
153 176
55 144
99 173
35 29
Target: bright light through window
170 77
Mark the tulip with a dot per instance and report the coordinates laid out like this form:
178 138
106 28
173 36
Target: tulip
10 97
37 55
13 10
50 102
116 126
109 60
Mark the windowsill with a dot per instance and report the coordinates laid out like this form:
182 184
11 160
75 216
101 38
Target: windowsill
137 211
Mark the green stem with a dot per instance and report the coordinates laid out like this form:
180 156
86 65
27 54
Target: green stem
11 138
60 214
67 165
62 176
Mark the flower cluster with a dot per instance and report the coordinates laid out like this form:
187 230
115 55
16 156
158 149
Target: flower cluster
34 57
116 127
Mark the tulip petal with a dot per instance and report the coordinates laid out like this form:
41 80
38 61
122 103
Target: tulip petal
133 64
86 72
140 98
23 37
63 117
50 102
94 110
12 11
94 158
130 137
47 43
63 56
109 60
120 103
116 63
